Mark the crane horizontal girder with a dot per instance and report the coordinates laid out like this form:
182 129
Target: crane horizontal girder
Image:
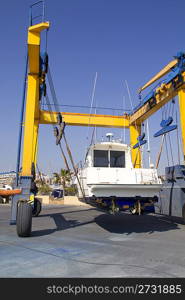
78 119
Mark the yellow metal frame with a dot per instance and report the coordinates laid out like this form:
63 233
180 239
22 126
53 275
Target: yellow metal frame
32 102
135 131
181 95
34 116
78 119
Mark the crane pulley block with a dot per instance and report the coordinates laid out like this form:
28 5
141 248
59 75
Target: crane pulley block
165 124
44 59
141 141
58 132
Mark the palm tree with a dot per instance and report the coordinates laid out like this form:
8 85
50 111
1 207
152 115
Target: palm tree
63 177
56 177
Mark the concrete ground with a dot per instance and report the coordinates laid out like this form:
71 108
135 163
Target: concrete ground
71 241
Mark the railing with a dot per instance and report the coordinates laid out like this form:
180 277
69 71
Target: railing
40 5
85 109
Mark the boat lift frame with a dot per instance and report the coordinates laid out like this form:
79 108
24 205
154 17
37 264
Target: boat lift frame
34 115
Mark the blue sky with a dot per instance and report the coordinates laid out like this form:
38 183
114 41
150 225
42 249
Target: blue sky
120 40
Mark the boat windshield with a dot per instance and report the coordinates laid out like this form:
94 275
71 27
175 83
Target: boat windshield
117 159
101 158
106 158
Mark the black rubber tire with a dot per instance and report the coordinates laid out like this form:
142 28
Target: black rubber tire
24 219
37 207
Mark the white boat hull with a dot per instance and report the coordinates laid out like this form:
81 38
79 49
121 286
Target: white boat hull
124 190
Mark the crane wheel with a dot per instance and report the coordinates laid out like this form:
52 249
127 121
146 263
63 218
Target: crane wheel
24 219
36 208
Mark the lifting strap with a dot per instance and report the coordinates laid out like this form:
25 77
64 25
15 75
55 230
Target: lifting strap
73 165
59 133
160 151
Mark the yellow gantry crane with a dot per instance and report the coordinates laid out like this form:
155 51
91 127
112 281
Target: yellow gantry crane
34 115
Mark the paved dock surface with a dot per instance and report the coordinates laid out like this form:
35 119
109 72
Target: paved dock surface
80 241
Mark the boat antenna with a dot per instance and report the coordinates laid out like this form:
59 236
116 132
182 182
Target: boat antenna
109 135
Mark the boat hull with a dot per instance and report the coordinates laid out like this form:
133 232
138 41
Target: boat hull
124 190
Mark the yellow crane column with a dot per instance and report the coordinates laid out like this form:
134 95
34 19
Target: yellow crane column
32 101
181 95
135 131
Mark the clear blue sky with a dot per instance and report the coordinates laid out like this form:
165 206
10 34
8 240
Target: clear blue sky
119 39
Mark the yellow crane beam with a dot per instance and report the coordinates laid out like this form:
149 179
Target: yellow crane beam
164 94
160 74
78 119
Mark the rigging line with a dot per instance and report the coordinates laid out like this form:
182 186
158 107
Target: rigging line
148 139
95 131
170 106
129 95
130 98
162 109
160 151
92 137
36 146
65 160
171 148
178 138
163 112
94 134
53 121
136 157
173 107
141 148
167 156
52 89
93 107
73 165
167 109
50 110
92 101
46 40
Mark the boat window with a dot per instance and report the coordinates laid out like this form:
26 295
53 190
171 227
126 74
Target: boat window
101 158
117 159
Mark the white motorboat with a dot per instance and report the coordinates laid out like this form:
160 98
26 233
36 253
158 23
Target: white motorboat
108 175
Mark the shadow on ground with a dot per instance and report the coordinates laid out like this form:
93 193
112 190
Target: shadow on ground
127 223
61 224
123 223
